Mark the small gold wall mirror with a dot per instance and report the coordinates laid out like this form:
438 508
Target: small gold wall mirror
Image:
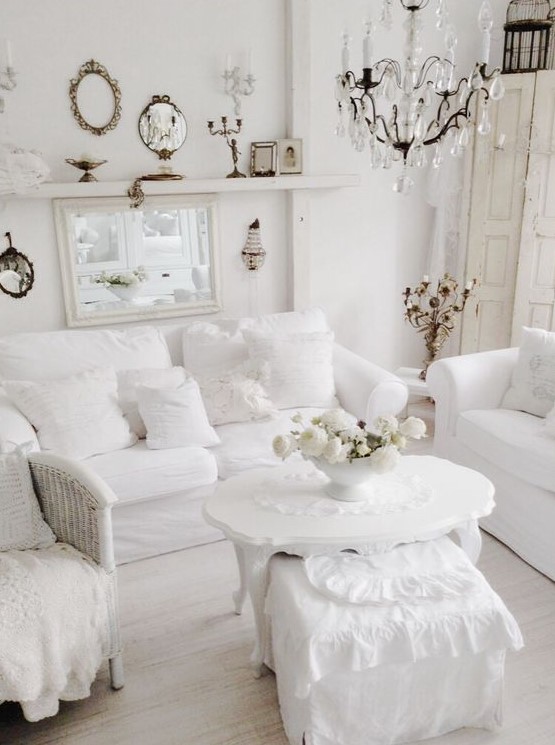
162 127
16 271
95 98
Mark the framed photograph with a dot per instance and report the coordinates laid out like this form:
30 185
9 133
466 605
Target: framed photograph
290 156
263 158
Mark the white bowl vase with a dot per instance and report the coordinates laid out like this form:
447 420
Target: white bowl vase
348 482
125 292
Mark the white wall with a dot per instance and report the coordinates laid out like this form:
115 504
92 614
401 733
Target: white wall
367 244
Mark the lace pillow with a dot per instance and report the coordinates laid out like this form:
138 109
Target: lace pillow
77 416
128 380
533 379
301 367
237 396
175 418
21 523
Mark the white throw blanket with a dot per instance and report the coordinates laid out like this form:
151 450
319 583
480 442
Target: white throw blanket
53 627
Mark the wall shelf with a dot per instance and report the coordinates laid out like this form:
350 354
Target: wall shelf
189 186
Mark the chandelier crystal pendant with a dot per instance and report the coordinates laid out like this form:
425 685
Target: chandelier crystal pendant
397 112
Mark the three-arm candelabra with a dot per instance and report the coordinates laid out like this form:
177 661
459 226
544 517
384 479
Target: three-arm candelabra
225 131
434 314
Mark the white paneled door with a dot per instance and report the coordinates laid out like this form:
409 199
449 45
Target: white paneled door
535 285
497 189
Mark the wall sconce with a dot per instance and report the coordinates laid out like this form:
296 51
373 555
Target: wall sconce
237 86
253 254
7 75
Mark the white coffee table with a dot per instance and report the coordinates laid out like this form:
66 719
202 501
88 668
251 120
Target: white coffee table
459 496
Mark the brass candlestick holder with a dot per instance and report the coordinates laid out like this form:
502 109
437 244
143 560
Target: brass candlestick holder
434 315
231 141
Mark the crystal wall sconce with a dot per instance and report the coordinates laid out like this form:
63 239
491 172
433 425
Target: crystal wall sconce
253 254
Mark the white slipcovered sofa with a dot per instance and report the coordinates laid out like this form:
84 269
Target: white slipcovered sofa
514 448
160 491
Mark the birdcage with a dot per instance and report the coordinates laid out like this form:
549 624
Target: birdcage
527 36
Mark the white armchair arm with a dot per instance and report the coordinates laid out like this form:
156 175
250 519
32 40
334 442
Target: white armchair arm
14 427
364 389
470 381
76 503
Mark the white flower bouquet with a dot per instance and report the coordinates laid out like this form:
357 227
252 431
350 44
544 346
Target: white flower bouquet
126 279
337 437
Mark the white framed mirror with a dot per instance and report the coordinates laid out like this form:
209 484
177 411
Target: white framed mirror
123 264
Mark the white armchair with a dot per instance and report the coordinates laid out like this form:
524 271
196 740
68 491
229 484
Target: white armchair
76 504
509 447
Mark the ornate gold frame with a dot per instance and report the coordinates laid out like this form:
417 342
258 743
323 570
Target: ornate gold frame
95 68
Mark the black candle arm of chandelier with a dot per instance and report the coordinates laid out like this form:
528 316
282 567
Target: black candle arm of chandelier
452 122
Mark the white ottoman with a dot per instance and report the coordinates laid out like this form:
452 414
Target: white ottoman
387 648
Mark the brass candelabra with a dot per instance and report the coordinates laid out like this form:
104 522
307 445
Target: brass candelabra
434 314
225 131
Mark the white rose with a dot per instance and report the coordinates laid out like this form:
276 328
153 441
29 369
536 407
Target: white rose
333 450
399 440
284 445
297 418
413 427
337 419
384 459
387 424
313 441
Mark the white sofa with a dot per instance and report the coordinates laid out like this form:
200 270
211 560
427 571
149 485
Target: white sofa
160 492
510 447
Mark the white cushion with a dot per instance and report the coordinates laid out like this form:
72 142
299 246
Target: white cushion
21 523
237 396
137 474
533 379
176 417
514 441
213 348
128 380
77 416
301 367
249 445
58 354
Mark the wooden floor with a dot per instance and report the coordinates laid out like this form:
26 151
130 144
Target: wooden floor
188 680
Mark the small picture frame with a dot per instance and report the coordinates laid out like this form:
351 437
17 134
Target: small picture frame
290 156
263 158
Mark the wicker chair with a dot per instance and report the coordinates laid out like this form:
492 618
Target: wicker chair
77 504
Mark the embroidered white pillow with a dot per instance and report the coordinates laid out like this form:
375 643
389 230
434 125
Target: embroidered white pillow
237 396
176 417
301 367
21 522
77 416
533 379
128 380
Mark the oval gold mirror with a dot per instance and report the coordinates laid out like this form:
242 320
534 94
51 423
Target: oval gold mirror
16 271
95 98
162 127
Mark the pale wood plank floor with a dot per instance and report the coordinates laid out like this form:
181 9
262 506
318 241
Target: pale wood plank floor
188 680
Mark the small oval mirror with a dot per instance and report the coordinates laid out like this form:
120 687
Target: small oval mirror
95 98
162 127
16 271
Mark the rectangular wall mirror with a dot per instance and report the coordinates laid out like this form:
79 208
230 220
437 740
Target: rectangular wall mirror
123 264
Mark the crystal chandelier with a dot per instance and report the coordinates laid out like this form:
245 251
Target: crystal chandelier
397 112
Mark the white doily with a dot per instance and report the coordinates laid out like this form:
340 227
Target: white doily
303 494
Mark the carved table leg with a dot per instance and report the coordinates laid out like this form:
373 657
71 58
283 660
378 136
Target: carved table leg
240 594
470 539
256 560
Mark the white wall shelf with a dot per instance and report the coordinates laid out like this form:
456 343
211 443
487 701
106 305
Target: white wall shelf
190 186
